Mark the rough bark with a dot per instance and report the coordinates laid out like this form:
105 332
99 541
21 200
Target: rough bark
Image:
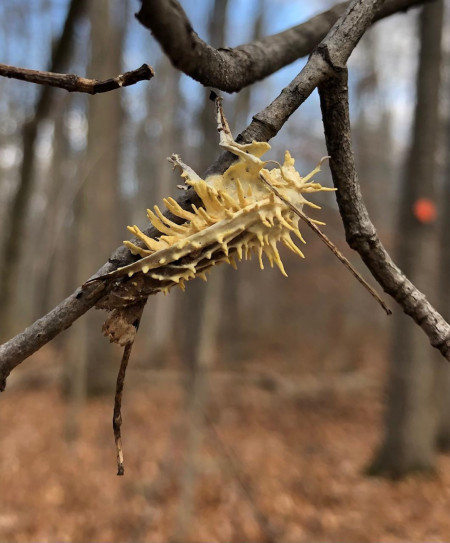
46 231
75 346
75 83
360 232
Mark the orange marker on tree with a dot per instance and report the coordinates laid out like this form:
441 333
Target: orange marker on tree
424 210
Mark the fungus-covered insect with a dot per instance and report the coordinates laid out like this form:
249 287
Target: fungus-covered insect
242 215
247 210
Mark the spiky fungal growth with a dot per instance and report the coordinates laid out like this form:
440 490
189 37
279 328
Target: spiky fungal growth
245 211
240 216
248 209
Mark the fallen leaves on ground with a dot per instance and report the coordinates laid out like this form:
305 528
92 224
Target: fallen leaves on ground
302 459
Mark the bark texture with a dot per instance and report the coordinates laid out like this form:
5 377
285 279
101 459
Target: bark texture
100 195
443 436
230 70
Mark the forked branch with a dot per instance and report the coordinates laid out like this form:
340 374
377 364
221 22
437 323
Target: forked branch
360 232
230 70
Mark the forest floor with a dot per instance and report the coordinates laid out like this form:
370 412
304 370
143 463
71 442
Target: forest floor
275 462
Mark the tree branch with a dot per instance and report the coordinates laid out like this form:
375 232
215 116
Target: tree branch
327 58
232 69
325 61
75 83
360 232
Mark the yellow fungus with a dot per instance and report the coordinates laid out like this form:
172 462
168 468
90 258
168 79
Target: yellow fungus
240 215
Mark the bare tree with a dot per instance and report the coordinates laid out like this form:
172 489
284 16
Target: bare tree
443 433
101 191
163 319
232 314
47 231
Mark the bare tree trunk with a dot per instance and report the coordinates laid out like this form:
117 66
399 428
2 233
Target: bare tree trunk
374 147
195 296
411 417
161 338
47 230
15 224
75 348
100 194
443 436
202 318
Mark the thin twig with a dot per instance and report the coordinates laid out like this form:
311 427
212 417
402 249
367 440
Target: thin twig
327 242
75 83
117 417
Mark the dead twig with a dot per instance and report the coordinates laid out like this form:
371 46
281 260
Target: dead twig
75 83
121 327
117 417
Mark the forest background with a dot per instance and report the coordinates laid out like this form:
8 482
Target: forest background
255 405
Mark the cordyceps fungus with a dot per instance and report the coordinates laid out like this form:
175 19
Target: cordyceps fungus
245 211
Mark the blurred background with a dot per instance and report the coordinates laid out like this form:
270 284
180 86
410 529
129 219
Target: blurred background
256 408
